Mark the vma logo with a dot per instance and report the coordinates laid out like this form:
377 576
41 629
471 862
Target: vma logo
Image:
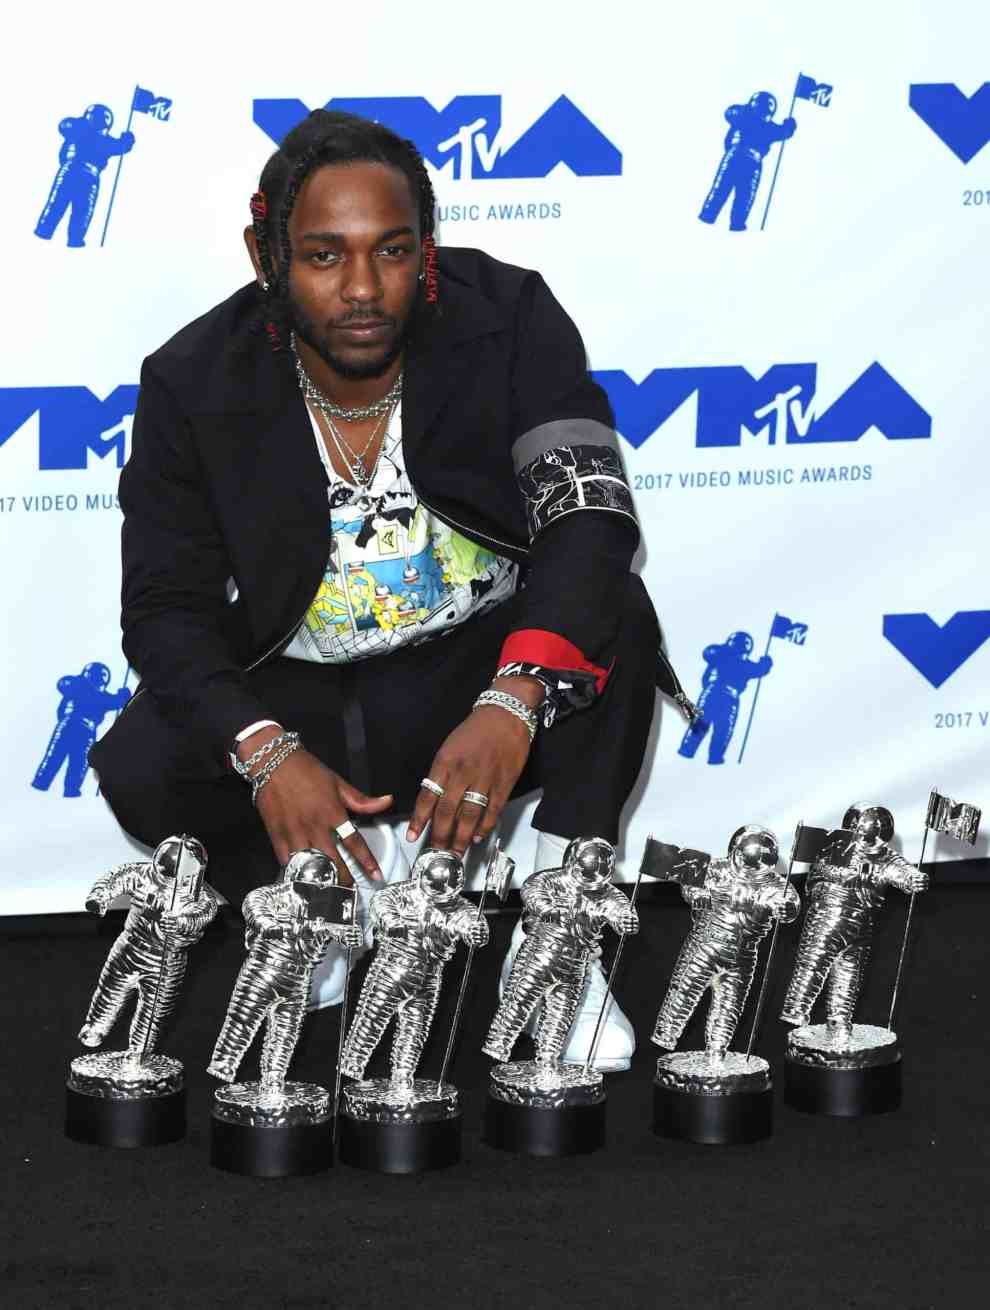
73 424
962 122
937 652
780 405
468 131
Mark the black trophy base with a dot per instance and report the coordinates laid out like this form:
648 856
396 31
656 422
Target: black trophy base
115 1121
271 1150
544 1131
713 1120
400 1148
843 1093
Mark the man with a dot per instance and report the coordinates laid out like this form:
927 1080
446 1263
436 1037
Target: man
372 448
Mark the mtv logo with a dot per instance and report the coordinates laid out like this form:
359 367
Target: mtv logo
962 122
781 403
937 652
72 423
468 131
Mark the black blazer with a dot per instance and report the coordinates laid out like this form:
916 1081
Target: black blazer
505 436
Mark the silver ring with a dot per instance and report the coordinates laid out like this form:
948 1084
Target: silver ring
432 786
346 829
476 798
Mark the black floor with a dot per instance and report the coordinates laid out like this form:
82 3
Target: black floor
890 1211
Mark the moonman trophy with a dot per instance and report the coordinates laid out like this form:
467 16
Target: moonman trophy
718 1096
137 1097
273 1128
841 1067
403 1124
543 1106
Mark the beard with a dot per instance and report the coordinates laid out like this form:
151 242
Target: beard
352 370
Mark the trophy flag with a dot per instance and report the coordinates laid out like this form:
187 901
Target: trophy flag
954 819
498 879
673 863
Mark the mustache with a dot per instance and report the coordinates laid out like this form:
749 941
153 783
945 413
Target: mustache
361 320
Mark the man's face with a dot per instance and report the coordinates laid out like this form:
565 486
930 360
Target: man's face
354 232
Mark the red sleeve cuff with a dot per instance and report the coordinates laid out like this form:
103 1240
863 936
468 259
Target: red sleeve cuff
551 651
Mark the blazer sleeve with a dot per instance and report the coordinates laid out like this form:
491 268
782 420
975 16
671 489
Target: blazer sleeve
582 524
175 574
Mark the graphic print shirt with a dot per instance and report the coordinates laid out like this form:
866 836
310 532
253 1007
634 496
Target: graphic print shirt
395 573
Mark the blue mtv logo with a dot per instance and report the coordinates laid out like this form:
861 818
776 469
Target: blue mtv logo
72 423
962 122
468 131
937 652
780 404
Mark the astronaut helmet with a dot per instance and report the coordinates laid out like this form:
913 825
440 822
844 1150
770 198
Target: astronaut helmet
440 874
100 116
310 865
872 824
591 862
96 673
753 851
186 857
764 103
740 642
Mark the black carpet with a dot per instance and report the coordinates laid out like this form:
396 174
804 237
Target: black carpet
890 1211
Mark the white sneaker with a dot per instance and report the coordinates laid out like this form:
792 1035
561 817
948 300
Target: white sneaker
616 1042
326 986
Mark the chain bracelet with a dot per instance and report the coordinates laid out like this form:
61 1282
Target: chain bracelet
513 704
245 769
263 776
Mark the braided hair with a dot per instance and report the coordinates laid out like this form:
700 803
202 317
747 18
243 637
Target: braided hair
326 137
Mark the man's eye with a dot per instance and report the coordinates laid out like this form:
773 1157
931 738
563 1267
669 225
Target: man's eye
394 251
324 257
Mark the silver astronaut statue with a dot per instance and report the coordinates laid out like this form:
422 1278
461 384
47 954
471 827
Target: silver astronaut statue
286 935
847 885
170 909
565 914
734 904
418 925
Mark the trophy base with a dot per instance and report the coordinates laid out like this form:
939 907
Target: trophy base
843 1076
400 1131
541 1110
112 1099
713 1102
265 1135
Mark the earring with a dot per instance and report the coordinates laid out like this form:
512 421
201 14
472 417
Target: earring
422 277
265 286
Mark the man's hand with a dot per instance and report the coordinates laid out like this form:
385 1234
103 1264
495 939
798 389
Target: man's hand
486 754
304 801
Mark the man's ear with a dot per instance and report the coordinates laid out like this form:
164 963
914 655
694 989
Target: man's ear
251 241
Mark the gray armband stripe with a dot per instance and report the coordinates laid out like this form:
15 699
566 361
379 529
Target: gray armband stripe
562 432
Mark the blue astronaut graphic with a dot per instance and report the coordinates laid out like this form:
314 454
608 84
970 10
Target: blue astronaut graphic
729 670
751 133
85 701
86 150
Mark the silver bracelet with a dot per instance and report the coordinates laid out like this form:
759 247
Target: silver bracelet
513 704
262 777
245 769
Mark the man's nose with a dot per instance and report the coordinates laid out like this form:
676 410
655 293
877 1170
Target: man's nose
362 283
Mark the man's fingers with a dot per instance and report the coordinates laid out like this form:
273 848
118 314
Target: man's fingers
469 817
444 815
496 803
359 802
425 807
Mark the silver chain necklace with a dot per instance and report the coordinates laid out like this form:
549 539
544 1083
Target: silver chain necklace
350 414
360 472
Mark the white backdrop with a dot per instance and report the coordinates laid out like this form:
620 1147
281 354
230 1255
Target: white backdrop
867 503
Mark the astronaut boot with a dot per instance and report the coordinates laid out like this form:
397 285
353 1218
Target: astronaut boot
796 1018
664 1038
840 1028
89 1035
617 1041
223 1070
327 985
